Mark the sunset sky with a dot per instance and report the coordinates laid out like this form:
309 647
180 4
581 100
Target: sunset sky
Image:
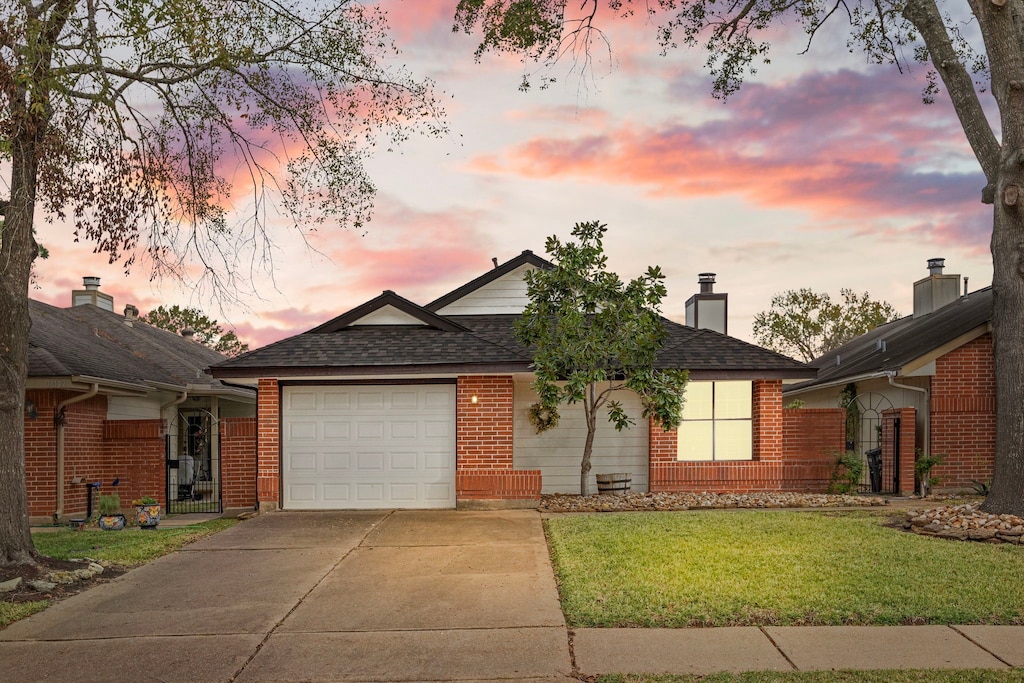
822 172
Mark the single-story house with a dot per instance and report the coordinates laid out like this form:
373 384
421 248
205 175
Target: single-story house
395 404
111 398
924 383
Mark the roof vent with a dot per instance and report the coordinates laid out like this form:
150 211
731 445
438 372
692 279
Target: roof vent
187 332
880 345
131 314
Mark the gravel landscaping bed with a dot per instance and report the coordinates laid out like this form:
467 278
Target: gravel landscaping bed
965 523
560 502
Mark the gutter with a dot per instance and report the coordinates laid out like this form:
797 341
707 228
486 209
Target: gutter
838 382
927 405
59 423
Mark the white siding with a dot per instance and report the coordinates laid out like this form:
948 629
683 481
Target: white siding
507 294
229 408
133 408
388 315
557 452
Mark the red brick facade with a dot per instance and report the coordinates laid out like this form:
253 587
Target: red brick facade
238 462
483 424
905 418
963 418
268 443
131 451
787 451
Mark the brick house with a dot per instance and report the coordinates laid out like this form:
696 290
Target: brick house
394 404
926 381
111 398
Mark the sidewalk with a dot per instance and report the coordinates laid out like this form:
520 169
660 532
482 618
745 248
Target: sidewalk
796 648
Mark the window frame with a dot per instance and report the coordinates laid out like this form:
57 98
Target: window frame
713 421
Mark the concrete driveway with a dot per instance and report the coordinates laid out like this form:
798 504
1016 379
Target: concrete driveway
324 596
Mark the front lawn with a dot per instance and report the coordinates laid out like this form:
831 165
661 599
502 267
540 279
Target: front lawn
723 568
128 548
915 676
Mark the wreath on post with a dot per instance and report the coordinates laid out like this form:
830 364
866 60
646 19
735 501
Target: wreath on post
543 417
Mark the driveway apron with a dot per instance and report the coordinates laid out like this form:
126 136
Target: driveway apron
318 596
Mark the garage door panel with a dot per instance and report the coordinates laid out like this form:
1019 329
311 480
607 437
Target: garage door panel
369 448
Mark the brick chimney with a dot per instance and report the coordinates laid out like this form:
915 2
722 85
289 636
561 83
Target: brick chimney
92 295
936 290
707 310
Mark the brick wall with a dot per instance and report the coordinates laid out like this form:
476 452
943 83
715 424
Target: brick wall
238 462
40 456
133 451
963 415
906 446
766 416
810 439
268 443
484 443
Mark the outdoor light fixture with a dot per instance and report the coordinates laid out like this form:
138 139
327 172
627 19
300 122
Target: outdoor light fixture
31 410
473 399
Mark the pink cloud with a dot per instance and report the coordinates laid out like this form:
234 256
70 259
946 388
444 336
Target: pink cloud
838 146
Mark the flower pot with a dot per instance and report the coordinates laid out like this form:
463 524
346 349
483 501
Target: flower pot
112 522
147 516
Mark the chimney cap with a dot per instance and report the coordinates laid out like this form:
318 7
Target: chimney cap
706 277
91 282
707 282
935 265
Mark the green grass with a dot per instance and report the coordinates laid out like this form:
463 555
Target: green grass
761 568
912 676
130 548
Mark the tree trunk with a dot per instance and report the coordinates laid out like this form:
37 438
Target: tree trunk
1007 493
590 407
17 251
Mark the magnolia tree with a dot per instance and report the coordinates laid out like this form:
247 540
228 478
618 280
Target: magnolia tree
593 335
806 324
133 120
973 48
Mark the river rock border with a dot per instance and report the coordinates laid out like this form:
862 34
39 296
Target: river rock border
965 523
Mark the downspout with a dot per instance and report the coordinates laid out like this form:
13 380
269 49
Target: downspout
59 422
927 406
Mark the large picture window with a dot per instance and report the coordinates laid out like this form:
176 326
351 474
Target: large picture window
716 422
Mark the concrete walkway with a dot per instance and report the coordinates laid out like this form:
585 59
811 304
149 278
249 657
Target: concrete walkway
410 596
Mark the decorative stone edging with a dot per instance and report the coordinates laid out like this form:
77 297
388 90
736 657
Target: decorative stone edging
965 523
561 502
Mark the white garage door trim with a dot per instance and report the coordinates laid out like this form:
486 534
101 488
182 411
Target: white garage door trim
368 446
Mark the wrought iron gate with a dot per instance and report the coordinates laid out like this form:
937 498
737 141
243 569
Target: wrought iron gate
192 454
881 469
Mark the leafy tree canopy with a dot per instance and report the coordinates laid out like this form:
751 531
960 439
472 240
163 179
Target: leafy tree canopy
806 324
205 330
594 334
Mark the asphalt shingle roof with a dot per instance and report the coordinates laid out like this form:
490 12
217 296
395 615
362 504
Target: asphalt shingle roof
489 340
90 341
906 340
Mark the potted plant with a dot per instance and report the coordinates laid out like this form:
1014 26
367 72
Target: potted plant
147 512
110 518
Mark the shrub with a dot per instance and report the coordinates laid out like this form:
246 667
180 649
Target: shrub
847 473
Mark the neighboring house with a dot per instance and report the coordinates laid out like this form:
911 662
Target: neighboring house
924 382
393 404
109 397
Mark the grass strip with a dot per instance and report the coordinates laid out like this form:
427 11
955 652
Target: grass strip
731 568
880 676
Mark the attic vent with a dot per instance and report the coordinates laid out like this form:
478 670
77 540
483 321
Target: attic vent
839 360
879 345
187 332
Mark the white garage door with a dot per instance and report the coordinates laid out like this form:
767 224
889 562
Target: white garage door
377 446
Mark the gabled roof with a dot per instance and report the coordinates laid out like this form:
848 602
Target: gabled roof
526 258
386 299
86 341
908 342
486 344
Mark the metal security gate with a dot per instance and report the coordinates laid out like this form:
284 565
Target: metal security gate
881 473
192 454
